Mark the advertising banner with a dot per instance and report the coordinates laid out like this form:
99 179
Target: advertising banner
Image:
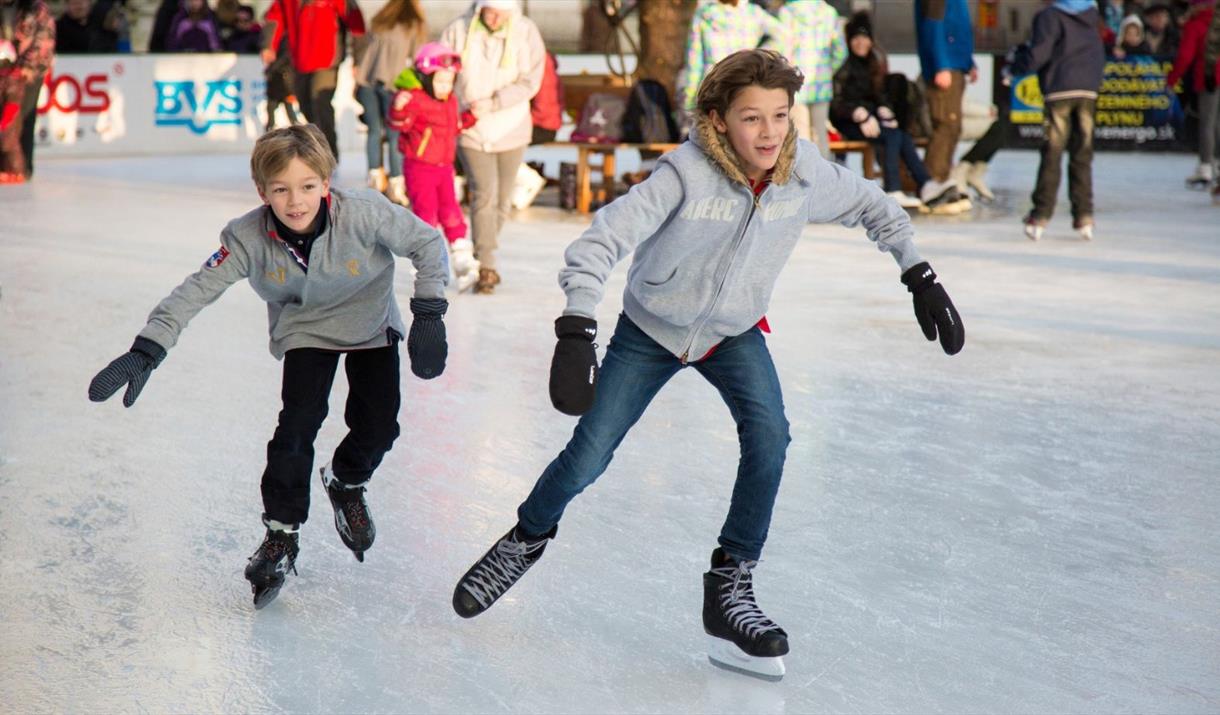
1135 108
99 105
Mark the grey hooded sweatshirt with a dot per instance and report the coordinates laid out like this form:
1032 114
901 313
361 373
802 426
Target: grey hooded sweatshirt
707 251
344 301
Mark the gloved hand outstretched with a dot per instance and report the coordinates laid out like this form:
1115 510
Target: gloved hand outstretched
426 345
131 369
574 366
933 309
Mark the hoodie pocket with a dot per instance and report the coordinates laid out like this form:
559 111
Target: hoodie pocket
676 299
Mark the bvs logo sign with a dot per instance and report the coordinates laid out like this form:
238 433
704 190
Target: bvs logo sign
199 106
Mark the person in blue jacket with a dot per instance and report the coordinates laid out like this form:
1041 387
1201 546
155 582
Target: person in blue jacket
946 57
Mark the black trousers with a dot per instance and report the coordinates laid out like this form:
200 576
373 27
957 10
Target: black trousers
1069 126
316 94
29 115
371 415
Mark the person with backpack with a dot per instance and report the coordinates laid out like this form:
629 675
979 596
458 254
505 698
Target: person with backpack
503 61
817 50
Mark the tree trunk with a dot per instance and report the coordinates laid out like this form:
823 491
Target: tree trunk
664 25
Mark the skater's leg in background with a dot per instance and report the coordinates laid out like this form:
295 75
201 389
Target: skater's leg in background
742 370
420 178
373 117
373 401
991 141
910 157
308 375
1209 109
1055 124
945 107
481 176
385 97
272 105
1080 160
634 370
448 210
29 116
890 145
507 164
316 93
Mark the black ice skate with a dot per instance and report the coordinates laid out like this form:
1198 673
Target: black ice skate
270 564
742 638
353 520
501 567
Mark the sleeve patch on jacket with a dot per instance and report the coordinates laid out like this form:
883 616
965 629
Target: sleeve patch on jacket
217 258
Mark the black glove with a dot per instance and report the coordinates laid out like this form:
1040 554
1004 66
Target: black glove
131 369
426 344
574 366
933 309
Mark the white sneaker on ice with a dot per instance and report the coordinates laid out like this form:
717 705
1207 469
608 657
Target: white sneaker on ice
905 200
397 191
1203 177
465 265
977 179
933 191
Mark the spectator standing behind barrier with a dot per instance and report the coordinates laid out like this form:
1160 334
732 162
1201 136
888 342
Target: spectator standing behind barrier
1067 53
718 29
116 27
1190 59
280 80
502 66
27 50
76 32
395 34
546 108
1131 38
860 111
316 31
194 29
1160 31
246 35
946 56
164 16
817 50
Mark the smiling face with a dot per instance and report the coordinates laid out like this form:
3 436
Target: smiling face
295 194
442 83
756 125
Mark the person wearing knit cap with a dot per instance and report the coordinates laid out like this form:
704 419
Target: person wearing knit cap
503 60
1131 38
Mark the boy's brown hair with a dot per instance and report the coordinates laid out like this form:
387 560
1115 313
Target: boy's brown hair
275 149
765 68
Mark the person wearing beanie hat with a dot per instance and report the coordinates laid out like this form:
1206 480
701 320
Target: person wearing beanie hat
1160 31
1131 38
1190 60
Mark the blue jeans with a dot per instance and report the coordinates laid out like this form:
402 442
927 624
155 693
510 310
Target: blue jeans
376 104
896 145
634 370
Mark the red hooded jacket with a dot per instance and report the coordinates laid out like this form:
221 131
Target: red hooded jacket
315 30
429 127
1190 52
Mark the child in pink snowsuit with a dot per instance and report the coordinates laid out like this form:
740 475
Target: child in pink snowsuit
425 112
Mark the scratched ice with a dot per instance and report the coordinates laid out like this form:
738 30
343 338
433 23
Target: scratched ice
1026 527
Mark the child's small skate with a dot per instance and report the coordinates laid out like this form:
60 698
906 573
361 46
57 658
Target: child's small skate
276 556
1084 228
1203 177
353 520
465 265
1034 228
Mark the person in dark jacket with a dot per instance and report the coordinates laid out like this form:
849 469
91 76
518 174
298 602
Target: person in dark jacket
246 37
76 31
1190 62
1160 31
859 110
194 29
1067 53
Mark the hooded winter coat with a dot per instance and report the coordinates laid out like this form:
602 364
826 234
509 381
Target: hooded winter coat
428 126
1066 52
504 66
708 250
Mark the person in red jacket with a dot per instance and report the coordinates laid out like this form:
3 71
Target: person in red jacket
426 115
546 108
317 38
1190 59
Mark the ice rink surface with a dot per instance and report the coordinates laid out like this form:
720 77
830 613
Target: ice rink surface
1030 526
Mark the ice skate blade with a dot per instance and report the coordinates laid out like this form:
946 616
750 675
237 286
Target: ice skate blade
725 654
264 595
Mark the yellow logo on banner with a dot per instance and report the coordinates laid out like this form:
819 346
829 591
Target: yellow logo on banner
1028 92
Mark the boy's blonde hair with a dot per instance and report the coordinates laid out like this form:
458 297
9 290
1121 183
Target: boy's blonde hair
275 149
766 68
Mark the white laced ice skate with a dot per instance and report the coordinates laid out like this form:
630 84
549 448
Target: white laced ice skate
464 265
1203 177
1085 231
1034 228
976 178
378 180
906 201
396 191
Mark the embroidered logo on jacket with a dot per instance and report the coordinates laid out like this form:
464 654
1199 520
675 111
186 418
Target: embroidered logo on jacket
353 267
780 210
279 275
217 258
712 208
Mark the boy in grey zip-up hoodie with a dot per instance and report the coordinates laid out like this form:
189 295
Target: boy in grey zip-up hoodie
711 228
323 260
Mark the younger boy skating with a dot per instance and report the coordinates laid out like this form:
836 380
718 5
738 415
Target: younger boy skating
711 229
323 260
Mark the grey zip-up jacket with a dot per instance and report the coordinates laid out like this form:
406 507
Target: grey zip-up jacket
345 301
707 252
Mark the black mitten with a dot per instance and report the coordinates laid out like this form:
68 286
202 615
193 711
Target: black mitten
933 309
131 369
426 346
574 366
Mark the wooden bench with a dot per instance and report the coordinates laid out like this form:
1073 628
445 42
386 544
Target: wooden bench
585 151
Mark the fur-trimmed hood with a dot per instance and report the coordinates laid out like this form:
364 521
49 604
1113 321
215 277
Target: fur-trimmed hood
718 149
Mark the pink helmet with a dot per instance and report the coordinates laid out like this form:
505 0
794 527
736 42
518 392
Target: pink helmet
437 56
